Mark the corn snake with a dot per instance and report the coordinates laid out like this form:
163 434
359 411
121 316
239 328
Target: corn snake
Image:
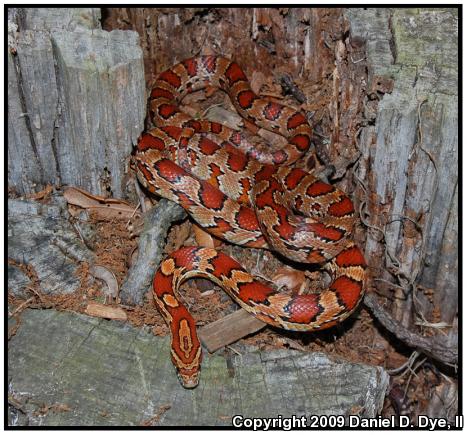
246 197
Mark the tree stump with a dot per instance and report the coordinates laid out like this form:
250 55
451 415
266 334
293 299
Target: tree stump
76 103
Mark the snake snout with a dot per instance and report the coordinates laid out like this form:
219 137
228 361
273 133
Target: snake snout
189 380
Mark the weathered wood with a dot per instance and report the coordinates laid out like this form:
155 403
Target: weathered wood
60 18
28 154
229 329
77 102
101 85
410 165
412 152
97 372
439 347
41 237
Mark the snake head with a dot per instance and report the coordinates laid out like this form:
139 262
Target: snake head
189 378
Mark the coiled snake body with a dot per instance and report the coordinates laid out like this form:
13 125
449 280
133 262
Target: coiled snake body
246 197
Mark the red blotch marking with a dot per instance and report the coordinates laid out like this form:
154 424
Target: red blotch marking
301 141
211 197
298 203
265 173
237 161
315 257
162 284
304 309
216 127
350 257
184 142
294 177
316 207
171 78
284 228
266 198
247 220
148 141
223 225
208 147
254 291
159 92
191 66
245 99
172 131
332 234
186 257
235 138
347 290
167 110
319 188
341 208
168 170
195 125
185 200
223 265
234 73
272 111
295 120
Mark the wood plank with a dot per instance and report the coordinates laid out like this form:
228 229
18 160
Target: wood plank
229 329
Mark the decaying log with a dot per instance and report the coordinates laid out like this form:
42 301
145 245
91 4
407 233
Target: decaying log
76 101
440 347
81 370
412 152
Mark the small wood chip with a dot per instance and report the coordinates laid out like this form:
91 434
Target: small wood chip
105 311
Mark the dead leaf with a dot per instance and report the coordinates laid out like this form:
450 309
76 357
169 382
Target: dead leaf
104 208
204 239
258 79
44 193
294 280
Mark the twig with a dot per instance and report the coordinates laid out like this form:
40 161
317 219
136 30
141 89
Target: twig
415 354
20 306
